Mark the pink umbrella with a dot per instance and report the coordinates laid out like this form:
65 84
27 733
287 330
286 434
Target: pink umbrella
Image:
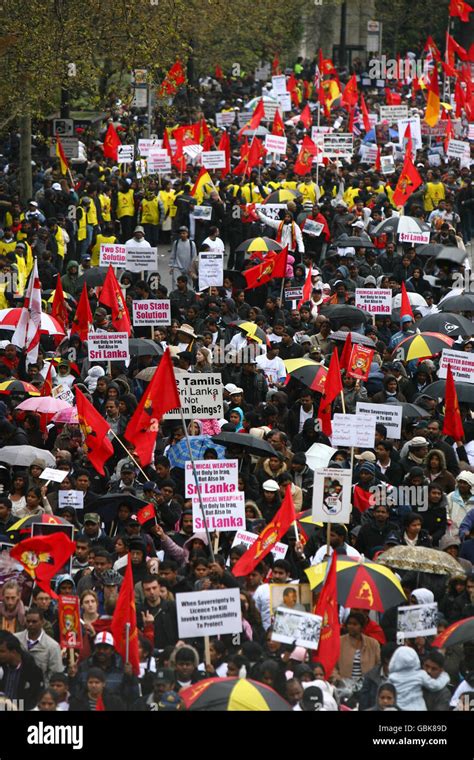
68 416
43 405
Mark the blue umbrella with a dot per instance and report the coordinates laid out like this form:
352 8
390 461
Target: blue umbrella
178 453
370 136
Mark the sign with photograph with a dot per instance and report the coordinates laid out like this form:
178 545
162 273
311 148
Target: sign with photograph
417 620
332 495
312 228
300 629
208 613
247 538
291 596
202 213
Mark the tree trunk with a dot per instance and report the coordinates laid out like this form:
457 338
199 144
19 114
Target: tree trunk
26 177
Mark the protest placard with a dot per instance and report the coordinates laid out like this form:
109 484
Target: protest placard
112 253
393 113
458 149
470 135
158 161
332 495
415 129
64 393
50 473
224 504
125 154
276 144
208 613
211 269
368 154
203 213
225 119
293 294
142 259
213 159
417 238
271 209
374 301
317 134
284 101
417 620
74 499
200 396
353 430
295 596
150 312
279 84
301 629
338 144
387 164
389 415
247 538
69 622
145 144
312 228
462 365
107 347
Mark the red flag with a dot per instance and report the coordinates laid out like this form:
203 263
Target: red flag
219 73
269 536
452 46
125 613
257 115
365 114
392 98
43 556
273 265
278 127
346 353
350 95
83 317
363 500
332 389
431 47
224 144
145 514
328 607
160 397
111 295
99 705
47 387
111 143
252 159
208 143
408 182
304 162
378 162
307 289
449 134
61 155
406 309
460 98
94 429
433 102
166 145
460 9
58 307
173 80
360 361
306 116
452 416
275 65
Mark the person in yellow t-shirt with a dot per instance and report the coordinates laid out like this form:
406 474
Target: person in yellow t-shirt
125 210
167 196
8 242
309 190
149 217
105 201
104 237
434 193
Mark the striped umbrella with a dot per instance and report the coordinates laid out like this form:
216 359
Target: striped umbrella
422 345
232 695
310 373
252 331
9 319
21 529
366 585
259 245
18 386
282 196
457 633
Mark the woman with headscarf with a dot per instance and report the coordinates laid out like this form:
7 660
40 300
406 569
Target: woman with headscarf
386 698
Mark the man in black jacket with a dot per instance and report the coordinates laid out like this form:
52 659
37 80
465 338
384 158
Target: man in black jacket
157 615
20 677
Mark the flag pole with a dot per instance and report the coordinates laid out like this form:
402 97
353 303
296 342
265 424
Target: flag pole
127 643
196 480
130 455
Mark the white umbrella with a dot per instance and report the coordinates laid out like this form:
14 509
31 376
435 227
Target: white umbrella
414 298
399 224
9 319
24 455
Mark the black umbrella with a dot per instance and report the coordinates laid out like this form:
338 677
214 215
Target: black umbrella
465 391
144 347
447 323
93 277
237 279
354 241
107 506
462 302
341 336
452 254
429 249
410 411
345 314
252 444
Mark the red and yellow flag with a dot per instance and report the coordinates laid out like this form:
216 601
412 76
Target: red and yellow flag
111 143
273 266
125 614
83 316
43 556
58 307
460 9
433 103
278 127
267 539
327 606
94 428
304 161
350 95
408 182
61 155
111 295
